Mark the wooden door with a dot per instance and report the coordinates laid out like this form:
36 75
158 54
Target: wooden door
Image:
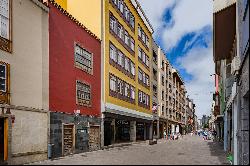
94 138
68 141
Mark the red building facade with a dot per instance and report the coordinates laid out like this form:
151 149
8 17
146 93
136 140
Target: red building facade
65 34
74 84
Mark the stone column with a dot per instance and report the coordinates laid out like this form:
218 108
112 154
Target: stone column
133 131
145 131
102 131
151 131
158 129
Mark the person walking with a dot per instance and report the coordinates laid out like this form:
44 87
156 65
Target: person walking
165 134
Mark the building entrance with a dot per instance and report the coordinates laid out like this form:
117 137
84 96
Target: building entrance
1 140
122 131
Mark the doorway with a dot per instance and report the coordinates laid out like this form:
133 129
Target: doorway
107 133
94 138
3 140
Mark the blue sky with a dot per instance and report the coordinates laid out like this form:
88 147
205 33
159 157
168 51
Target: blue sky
183 29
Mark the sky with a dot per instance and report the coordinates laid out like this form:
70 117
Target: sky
183 29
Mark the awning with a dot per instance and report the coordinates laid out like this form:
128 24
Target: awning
224 32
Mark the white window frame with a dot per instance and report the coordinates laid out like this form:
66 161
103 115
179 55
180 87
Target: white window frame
132 92
112 81
5 21
85 91
113 52
132 43
132 65
83 59
4 78
126 36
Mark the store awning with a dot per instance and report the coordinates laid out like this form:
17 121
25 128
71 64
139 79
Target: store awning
224 32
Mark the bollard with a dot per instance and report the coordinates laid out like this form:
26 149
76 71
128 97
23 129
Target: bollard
50 150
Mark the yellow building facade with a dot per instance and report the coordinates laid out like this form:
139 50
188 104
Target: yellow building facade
126 36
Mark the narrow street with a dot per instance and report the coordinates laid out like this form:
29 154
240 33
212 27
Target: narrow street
191 150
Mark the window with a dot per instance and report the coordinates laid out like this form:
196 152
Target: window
120 31
147 80
132 92
140 96
127 67
143 99
132 20
4 19
140 75
143 56
127 90
83 59
126 38
113 23
126 12
119 86
83 93
144 77
147 42
113 52
139 52
132 65
147 61
132 44
3 78
139 31
143 36
112 82
120 59
122 7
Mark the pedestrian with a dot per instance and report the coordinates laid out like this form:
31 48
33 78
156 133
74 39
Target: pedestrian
165 134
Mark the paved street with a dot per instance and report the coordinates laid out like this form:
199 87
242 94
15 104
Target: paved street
189 150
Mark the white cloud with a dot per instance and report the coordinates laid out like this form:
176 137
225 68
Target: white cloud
154 11
188 16
198 62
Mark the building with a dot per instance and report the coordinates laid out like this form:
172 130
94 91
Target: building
154 87
126 36
231 57
74 84
190 112
24 81
168 93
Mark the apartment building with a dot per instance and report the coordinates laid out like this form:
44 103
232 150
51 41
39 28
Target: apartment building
24 97
126 36
169 96
154 87
231 57
74 84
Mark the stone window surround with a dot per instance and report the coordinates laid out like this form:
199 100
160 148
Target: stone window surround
84 105
79 67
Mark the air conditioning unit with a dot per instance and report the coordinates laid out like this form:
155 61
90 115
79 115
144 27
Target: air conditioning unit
235 65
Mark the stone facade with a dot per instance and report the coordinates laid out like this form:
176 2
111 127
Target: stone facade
82 126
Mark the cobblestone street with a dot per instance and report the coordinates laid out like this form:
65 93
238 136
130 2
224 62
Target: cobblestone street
189 150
